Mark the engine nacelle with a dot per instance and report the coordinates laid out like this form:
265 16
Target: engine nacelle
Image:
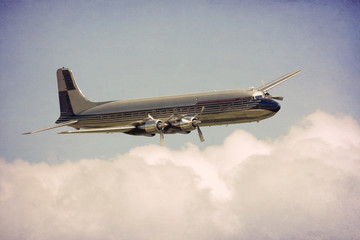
152 126
186 124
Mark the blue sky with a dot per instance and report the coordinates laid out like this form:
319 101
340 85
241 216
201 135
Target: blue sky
293 176
132 49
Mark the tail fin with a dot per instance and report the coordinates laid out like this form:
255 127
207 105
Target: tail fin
71 99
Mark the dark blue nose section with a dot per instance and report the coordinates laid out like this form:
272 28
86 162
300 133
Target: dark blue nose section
270 105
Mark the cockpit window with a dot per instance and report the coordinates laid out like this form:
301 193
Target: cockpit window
258 97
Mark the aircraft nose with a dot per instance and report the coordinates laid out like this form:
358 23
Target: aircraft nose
270 105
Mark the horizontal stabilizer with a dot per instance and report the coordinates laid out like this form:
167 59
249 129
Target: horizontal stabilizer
278 81
102 130
53 126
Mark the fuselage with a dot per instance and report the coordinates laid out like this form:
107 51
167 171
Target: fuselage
216 108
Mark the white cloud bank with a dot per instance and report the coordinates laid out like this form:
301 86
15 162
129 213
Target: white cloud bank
305 185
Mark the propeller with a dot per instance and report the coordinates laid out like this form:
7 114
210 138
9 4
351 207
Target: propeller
161 138
201 136
197 122
161 131
162 125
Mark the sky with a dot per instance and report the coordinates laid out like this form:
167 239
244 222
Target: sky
292 176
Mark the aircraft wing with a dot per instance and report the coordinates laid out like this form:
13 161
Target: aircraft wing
278 81
53 126
102 130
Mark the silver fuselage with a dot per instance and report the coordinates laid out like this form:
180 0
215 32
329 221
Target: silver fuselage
219 107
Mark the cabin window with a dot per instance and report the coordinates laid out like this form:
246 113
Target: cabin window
258 96
162 111
225 106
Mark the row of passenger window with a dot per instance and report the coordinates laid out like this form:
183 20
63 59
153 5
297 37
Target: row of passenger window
163 113
159 113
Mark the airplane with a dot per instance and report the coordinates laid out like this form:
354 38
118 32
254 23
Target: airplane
162 115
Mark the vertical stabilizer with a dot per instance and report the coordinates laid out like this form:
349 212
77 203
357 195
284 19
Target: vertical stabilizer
71 99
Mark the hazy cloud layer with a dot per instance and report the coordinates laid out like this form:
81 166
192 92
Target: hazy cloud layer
305 185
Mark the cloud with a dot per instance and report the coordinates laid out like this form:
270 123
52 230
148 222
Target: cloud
305 185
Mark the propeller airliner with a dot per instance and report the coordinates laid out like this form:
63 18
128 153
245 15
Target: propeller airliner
162 115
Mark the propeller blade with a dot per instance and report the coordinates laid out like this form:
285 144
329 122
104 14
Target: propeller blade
201 136
167 120
201 111
161 138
